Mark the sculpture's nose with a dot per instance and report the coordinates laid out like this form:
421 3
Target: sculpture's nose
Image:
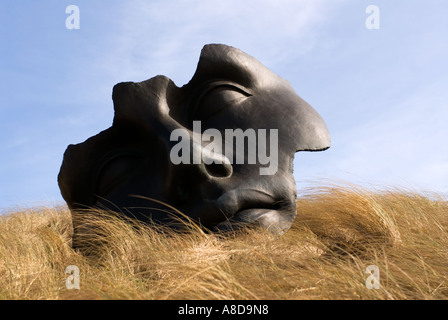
212 165
195 175
189 157
222 170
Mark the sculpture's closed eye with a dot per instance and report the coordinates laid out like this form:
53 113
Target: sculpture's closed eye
216 98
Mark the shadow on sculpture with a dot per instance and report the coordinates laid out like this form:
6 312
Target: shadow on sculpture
220 149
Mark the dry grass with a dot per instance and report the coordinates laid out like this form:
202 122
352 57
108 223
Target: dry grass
339 231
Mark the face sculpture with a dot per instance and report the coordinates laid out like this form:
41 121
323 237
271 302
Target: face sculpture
152 150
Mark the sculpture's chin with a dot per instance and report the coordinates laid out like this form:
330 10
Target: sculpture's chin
275 221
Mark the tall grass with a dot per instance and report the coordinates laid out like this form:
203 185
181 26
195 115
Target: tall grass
339 231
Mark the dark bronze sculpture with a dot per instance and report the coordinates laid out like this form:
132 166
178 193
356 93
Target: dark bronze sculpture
153 150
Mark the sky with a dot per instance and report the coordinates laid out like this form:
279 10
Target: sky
383 93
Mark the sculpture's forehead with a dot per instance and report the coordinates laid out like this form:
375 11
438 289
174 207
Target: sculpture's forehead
219 61
159 103
274 104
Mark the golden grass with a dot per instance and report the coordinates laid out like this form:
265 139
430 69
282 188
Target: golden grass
338 232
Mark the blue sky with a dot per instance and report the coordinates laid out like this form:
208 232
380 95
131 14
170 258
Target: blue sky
383 93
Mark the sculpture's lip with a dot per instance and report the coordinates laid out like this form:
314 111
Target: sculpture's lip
269 219
254 215
237 200
240 207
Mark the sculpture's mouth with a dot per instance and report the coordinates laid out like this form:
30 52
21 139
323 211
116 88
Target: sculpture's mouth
270 219
256 208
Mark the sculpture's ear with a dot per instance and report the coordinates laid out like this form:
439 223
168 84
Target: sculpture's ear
73 178
77 174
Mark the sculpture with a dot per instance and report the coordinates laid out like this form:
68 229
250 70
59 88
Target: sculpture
139 158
